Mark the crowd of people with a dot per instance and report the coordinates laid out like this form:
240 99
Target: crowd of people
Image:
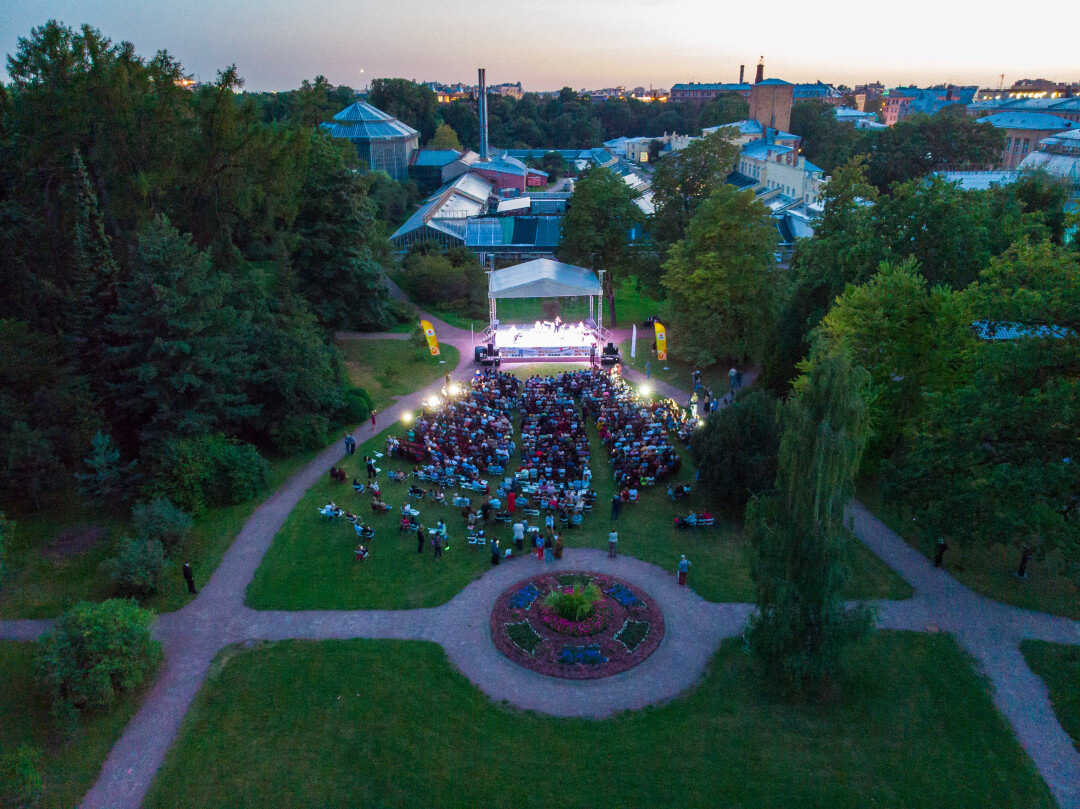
469 436
634 430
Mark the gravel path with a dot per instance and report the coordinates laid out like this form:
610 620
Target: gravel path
989 631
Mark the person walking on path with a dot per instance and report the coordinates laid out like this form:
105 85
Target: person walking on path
419 539
558 546
350 444
684 568
189 577
374 413
616 506
612 543
648 368
939 554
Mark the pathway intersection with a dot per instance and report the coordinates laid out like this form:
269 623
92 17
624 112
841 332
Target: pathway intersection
991 632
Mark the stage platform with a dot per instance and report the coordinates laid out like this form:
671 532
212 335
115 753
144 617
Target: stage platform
543 341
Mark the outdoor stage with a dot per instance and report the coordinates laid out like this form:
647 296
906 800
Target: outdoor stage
544 340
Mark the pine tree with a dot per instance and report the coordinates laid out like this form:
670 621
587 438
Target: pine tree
107 478
96 272
802 623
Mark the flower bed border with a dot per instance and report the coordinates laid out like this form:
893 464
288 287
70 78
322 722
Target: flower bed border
544 658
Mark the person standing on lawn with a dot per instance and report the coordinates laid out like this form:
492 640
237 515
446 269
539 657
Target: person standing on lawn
616 506
684 568
612 544
419 539
189 577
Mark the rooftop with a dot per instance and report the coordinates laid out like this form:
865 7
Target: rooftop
1028 120
361 121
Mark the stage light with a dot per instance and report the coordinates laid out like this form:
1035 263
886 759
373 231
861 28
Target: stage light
454 390
406 417
701 422
646 390
434 401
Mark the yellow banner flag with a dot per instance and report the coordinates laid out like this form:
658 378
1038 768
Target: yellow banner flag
661 340
432 340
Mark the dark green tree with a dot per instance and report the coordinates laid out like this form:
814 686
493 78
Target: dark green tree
106 478
412 103
337 243
175 354
685 179
736 450
802 624
726 108
597 228
723 281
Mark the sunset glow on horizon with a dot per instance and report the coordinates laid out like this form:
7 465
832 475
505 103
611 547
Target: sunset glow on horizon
548 44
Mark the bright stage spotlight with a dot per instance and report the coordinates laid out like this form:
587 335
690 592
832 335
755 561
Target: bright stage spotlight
455 389
646 390
406 417
434 401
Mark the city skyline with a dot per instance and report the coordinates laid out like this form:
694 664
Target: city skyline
552 43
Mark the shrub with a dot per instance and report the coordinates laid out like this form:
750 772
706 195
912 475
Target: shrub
574 603
210 470
137 569
737 449
357 405
6 527
162 521
95 653
295 431
29 784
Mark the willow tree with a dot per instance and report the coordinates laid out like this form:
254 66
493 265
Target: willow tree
802 623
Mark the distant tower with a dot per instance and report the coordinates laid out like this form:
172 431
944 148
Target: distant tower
760 77
742 73
483 115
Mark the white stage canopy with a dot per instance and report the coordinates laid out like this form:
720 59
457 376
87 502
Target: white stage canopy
542 278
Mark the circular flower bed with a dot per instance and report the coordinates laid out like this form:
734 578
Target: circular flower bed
624 629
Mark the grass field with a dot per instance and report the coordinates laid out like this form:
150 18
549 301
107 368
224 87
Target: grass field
68 767
42 584
1059 667
392 723
310 564
673 371
388 369
987 569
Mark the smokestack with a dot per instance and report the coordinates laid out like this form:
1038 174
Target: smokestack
760 77
742 73
483 115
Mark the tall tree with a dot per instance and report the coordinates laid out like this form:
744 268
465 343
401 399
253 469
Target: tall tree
802 624
597 228
685 179
412 103
723 280
176 363
726 108
337 242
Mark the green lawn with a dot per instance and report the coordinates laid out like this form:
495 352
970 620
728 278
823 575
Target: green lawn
990 569
311 566
631 306
673 371
1059 667
44 585
68 767
388 369
392 723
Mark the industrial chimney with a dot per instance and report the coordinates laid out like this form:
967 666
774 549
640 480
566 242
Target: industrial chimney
742 73
760 77
483 116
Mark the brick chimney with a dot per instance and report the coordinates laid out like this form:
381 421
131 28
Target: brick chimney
742 73
760 76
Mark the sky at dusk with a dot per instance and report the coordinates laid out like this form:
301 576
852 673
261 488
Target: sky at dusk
548 44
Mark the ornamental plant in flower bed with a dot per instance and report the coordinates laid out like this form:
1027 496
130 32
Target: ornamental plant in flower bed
618 623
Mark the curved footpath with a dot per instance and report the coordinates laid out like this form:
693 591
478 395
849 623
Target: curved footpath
192 636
